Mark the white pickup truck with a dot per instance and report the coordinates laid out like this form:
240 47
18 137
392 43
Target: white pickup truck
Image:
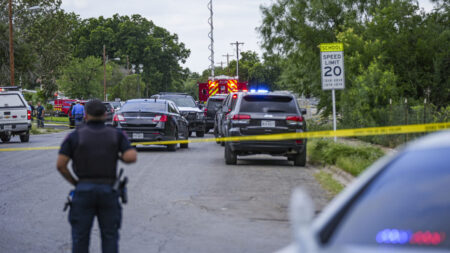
15 116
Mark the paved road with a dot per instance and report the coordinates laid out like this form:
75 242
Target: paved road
183 201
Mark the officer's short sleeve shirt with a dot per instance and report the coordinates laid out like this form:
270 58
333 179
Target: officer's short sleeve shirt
71 142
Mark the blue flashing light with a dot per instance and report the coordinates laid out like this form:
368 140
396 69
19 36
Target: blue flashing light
259 91
393 236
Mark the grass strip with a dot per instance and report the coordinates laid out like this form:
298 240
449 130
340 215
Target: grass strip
327 182
35 130
57 119
352 159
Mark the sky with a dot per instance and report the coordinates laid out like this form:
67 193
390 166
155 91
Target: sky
234 20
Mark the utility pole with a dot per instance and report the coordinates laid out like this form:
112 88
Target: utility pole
228 58
104 72
237 43
11 46
221 64
211 37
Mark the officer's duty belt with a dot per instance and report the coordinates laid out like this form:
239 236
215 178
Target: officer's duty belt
109 181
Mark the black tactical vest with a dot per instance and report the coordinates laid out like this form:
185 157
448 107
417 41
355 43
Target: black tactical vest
96 154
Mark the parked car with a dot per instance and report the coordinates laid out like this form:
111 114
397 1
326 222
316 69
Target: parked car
229 103
109 112
15 115
213 104
146 120
188 108
260 114
399 204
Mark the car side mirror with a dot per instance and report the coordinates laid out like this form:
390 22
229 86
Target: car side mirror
303 111
301 214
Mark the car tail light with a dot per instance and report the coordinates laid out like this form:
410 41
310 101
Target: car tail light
241 119
160 118
294 120
205 111
28 114
118 117
298 141
234 96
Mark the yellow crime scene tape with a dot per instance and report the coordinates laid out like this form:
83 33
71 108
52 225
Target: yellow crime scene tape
388 130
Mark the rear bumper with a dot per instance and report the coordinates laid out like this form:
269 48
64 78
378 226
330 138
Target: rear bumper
148 134
281 147
268 147
15 128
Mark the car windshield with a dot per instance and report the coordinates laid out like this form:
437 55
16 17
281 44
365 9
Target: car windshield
214 103
144 106
181 101
268 104
10 100
408 204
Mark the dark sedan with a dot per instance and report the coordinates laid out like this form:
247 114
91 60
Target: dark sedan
146 120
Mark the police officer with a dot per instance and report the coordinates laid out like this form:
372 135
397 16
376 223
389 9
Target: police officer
94 149
78 113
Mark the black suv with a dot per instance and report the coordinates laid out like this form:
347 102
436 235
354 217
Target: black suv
188 108
213 104
260 114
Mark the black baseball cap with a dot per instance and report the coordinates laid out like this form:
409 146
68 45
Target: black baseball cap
95 108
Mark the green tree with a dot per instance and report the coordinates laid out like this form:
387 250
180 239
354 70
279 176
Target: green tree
130 87
392 49
141 42
82 78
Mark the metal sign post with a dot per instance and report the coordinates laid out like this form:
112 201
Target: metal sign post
333 76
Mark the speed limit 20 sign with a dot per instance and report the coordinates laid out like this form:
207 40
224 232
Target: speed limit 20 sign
332 62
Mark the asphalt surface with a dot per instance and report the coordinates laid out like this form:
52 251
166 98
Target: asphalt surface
183 201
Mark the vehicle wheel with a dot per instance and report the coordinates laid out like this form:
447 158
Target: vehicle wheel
5 137
200 133
184 145
216 134
25 137
190 134
222 143
230 156
300 159
173 147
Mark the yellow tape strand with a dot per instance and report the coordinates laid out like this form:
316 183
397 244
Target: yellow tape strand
403 129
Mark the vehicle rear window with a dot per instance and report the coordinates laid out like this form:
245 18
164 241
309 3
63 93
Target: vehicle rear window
408 204
108 106
181 101
267 104
11 100
144 106
214 103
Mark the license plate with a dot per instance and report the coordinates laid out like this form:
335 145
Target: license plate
267 123
7 127
138 135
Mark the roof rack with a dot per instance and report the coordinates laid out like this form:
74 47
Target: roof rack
172 93
10 88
